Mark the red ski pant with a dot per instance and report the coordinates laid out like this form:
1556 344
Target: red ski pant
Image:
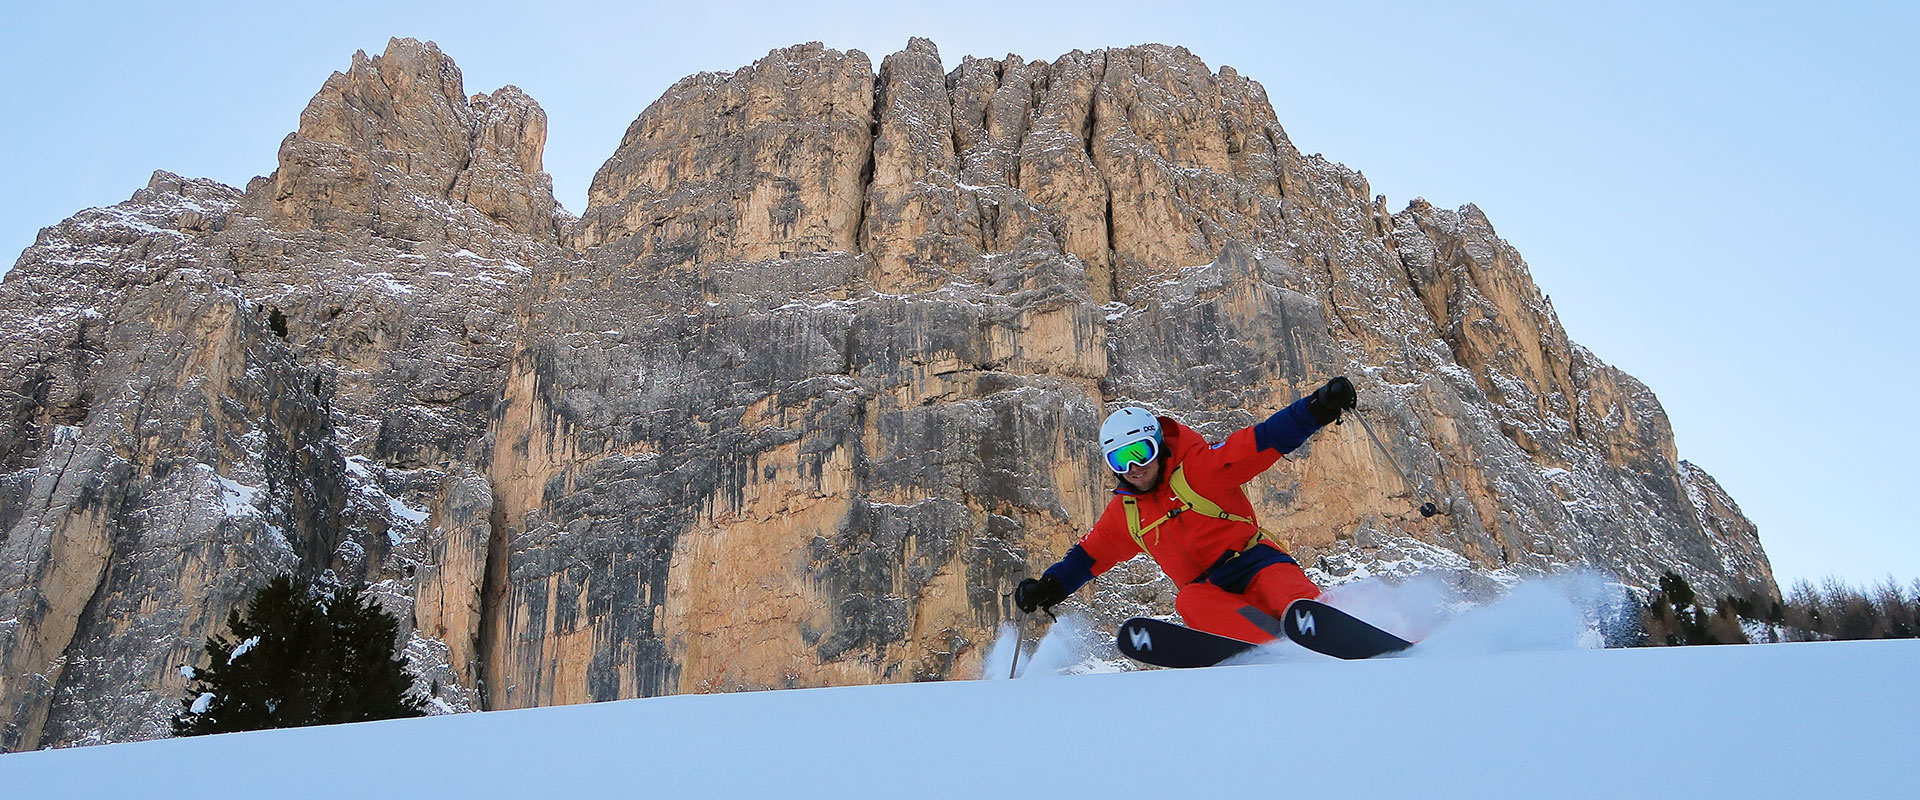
1210 608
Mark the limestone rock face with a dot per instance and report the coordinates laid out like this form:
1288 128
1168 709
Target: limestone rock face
813 379
766 162
918 219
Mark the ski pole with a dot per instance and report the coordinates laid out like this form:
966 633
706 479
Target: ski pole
1427 509
1019 632
1404 475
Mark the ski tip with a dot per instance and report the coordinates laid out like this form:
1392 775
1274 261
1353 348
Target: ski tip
1330 631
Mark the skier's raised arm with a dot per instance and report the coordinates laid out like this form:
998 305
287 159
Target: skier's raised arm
1257 447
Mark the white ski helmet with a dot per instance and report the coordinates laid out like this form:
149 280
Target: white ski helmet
1126 426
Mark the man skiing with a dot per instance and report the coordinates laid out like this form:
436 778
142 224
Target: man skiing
1180 501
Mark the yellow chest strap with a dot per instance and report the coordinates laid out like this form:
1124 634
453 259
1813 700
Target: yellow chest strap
1190 500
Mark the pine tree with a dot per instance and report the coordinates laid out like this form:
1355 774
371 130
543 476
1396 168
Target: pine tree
299 658
1659 621
1691 621
1741 606
364 634
1724 624
1676 589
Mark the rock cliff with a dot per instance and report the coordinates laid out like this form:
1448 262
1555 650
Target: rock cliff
810 382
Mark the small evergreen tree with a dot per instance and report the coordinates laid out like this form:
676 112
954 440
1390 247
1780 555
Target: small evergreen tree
1660 621
299 658
1690 620
1676 590
1697 627
1741 606
1724 624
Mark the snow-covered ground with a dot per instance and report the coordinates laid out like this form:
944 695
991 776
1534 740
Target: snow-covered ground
1480 714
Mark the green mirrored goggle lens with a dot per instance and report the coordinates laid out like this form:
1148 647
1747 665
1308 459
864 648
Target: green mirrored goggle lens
1130 454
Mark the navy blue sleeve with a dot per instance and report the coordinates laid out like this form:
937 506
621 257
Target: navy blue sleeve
1074 570
1287 429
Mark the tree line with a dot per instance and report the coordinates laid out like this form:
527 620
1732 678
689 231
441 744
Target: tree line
1676 615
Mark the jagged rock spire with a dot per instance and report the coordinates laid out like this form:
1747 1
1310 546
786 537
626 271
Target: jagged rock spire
386 145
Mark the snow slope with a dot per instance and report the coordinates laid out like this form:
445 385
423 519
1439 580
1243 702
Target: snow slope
1829 719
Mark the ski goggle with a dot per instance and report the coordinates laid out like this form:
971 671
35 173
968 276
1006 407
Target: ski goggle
1132 454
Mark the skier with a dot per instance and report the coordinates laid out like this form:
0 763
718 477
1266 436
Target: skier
1180 501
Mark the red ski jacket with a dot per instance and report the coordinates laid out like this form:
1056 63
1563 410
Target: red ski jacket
1192 545
1188 544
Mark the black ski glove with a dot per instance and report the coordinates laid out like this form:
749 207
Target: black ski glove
1327 402
1034 594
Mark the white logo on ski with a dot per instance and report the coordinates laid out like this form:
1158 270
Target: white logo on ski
1142 640
1304 621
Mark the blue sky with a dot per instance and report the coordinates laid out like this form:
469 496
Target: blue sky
1712 193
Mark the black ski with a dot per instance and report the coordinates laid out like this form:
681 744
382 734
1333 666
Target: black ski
1324 629
1314 625
1166 644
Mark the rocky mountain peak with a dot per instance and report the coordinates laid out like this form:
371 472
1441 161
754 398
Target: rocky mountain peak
385 146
